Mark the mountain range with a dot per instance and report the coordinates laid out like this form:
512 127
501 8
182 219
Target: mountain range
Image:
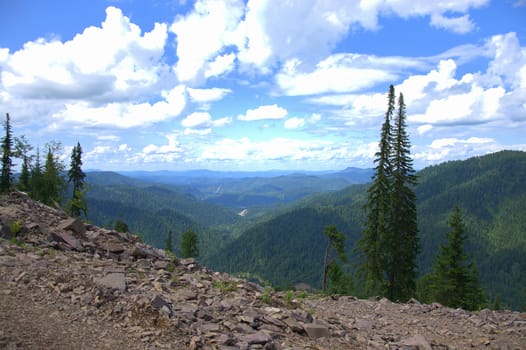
279 239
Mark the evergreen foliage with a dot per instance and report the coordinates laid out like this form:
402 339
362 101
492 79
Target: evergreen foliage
25 176
339 282
335 240
454 281
121 226
189 244
285 246
169 243
402 236
37 179
52 180
22 149
390 239
371 243
77 177
6 178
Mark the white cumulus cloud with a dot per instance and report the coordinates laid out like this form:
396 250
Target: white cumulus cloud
264 112
294 123
202 35
207 95
460 25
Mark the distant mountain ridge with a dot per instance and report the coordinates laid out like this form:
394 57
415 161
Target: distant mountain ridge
242 190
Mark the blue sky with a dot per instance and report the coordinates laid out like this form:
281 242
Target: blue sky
259 85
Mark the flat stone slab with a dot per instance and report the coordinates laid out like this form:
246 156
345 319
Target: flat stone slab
256 338
315 331
67 238
73 224
113 281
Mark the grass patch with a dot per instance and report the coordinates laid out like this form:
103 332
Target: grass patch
225 286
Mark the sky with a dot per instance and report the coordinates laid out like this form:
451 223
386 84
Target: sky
260 84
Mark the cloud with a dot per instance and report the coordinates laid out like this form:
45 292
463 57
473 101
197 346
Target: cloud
298 123
222 121
125 84
164 153
126 62
124 148
294 123
207 95
220 65
271 39
296 153
200 132
263 113
494 96
124 115
257 36
454 148
196 119
113 138
340 73
475 106
508 66
203 34
422 129
200 123
459 25
106 156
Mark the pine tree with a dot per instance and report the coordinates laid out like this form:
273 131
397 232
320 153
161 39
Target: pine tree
378 209
335 240
402 236
189 244
338 281
454 279
6 179
77 176
37 179
390 240
121 226
22 149
169 243
52 180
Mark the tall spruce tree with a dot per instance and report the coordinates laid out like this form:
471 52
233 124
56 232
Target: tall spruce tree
6 179
402 236
77 177
378 209
454 280
390 243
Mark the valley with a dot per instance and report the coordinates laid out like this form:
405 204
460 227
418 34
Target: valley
280 240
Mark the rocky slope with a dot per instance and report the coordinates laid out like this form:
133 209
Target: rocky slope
69 285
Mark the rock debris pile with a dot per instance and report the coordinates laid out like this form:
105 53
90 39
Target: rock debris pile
69 285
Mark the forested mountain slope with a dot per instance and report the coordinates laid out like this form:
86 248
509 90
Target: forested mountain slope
151 210
490 190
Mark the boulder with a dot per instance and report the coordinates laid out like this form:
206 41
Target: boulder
417 341
74 225
67 238
256 338
112 281
315 331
